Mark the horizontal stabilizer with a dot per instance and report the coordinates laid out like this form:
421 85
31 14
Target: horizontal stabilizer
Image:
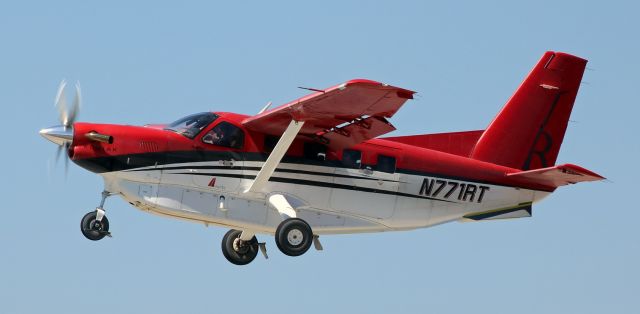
558 175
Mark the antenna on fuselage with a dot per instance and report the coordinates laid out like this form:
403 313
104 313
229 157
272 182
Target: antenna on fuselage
312 89
265 108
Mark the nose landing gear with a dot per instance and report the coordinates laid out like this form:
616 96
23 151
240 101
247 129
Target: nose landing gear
94 229
95 225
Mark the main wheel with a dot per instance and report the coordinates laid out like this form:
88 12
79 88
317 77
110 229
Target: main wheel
92 229
294 237
236 251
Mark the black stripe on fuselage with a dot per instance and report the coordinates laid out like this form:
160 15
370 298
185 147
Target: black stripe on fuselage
313 173
315 183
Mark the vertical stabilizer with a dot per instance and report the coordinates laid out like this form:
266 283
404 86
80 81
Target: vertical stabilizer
528 131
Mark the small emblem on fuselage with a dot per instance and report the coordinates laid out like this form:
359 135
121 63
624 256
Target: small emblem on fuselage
446 189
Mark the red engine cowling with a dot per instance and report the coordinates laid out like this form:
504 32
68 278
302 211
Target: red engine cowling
110 147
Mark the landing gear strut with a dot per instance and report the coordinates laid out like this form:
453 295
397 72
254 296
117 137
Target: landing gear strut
238 251
95 225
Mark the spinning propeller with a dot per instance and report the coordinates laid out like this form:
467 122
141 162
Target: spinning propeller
62 134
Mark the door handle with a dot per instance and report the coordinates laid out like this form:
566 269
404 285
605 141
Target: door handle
227 163
367 171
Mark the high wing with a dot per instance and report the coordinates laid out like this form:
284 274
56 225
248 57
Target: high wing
339 116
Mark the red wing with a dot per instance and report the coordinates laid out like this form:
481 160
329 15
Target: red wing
339 116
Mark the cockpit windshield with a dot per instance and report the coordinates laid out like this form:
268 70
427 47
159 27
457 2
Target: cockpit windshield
190 126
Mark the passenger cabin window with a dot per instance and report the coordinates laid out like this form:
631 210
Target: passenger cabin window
315 151
270 142
352 158
386 164
225 134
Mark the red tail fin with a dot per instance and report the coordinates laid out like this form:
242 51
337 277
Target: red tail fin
528 131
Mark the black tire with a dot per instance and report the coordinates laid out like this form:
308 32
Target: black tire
92 229
294 237
236 251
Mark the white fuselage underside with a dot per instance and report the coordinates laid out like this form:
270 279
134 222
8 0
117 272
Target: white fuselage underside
332 200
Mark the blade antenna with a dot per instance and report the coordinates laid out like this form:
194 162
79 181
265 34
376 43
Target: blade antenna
265 108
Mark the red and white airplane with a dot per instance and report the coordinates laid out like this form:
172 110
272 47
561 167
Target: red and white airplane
317 166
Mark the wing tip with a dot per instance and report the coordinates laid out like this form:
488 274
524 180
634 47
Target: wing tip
583 171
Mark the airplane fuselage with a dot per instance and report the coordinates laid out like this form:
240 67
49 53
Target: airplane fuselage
209 187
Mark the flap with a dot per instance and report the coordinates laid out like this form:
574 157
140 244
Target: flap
356 131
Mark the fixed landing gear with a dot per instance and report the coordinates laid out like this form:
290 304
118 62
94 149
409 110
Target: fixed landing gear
294 237
95 225
92 228
238 251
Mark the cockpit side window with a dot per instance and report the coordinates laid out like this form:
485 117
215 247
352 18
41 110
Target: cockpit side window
225 134
191 125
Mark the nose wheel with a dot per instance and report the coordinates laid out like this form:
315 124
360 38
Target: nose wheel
94 229
238 251
95 225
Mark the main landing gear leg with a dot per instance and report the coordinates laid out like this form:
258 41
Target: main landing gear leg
95 225
293 235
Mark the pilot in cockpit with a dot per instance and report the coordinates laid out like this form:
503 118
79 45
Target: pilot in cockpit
215 136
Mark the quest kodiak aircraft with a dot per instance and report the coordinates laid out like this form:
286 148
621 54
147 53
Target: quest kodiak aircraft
317 165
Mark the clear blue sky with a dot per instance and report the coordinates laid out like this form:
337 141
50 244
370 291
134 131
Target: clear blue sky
150 62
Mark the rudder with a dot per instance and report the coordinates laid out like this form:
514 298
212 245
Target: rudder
528 131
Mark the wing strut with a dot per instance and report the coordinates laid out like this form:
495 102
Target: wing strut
275 157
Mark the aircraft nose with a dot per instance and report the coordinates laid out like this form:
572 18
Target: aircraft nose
58 134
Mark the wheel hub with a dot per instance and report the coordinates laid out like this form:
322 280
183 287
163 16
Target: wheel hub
240 246
96 225
295 237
